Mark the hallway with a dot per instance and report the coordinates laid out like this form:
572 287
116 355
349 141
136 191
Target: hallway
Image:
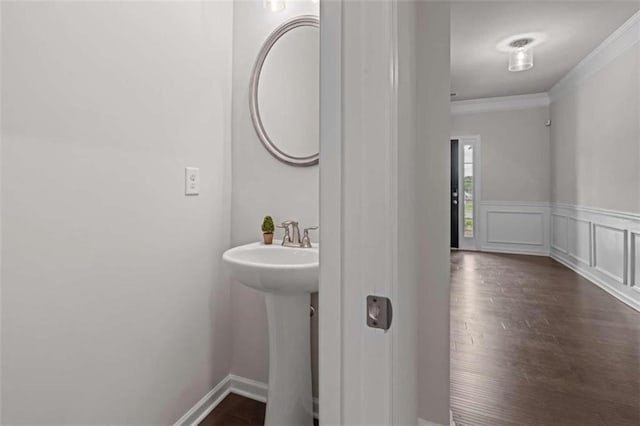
534 343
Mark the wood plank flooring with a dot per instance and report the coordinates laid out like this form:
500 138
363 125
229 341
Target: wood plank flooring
533 343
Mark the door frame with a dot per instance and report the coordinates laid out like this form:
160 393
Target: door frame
474 140
360 381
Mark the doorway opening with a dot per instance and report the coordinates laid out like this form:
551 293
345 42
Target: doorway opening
465 184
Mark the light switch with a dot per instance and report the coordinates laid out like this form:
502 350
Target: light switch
191 181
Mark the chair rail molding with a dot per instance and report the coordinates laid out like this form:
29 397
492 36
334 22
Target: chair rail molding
601 245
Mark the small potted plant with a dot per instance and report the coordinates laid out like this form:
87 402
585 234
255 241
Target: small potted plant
267 230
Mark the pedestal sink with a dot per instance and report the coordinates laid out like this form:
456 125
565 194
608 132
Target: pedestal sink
287 277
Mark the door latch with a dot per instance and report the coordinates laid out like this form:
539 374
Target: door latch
379 312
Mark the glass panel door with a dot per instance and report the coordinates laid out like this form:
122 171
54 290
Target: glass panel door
468 196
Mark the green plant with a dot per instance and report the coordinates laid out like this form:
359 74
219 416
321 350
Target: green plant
267 225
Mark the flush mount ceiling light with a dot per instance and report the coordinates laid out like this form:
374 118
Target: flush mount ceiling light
274 5
521 55
520 50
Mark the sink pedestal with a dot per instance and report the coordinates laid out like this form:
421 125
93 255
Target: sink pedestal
289 401
287 276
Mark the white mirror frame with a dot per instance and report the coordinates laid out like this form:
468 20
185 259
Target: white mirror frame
299 21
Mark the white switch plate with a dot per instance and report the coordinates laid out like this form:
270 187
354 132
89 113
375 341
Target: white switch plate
191 181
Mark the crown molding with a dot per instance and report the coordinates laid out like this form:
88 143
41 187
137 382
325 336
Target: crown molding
504 103
621 40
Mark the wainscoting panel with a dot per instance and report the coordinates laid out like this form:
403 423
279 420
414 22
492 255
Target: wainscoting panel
514 227
579 240
635 261
601 245
610 246
560 232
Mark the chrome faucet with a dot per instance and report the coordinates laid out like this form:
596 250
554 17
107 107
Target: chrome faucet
291 233
291 236
306 242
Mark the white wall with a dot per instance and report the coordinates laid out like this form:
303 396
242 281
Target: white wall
596 138
513 214
261 185
595 143
114 310
433 209
515 149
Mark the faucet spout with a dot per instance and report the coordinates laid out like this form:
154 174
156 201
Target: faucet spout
291 234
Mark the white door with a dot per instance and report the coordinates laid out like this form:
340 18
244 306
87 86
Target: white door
367 375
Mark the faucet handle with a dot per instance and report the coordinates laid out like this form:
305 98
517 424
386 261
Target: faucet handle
306 242
287 223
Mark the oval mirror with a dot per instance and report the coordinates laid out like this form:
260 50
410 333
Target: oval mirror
284 92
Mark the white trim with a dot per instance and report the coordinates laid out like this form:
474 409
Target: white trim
561 249
617 281
617 275
206 404
356 363
621 40
536 242
504 103
635 304
523 214
589 260
257 391
238 385
248 388
620 279
516 203
596 210
423 422
331 285
634 282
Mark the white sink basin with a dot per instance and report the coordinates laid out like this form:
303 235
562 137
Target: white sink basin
287 276
273 268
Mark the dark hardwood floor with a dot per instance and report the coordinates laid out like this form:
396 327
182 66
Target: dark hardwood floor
533 343
237 410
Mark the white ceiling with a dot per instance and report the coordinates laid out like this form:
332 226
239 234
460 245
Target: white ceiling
572 29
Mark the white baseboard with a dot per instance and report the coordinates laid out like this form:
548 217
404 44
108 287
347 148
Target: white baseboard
207 403
514 251
608 287
423 422
601 245
242 386
248 388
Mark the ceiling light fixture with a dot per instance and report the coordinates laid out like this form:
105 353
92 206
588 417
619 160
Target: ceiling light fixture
521 55
274 5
